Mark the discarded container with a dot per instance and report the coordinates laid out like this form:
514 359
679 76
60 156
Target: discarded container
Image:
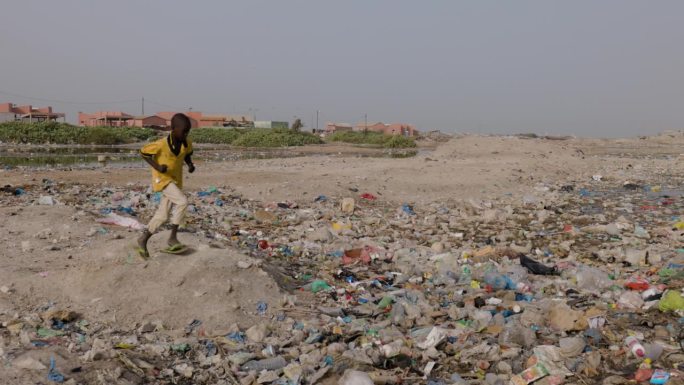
635 346
660 377
274 363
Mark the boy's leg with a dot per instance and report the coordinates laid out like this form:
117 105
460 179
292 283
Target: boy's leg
180 205
160 216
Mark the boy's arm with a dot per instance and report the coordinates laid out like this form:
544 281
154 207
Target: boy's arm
150 160
191 166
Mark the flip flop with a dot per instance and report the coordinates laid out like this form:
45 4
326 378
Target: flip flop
175 249
142 253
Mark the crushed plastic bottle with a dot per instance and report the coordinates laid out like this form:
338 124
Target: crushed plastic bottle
635 346
274 363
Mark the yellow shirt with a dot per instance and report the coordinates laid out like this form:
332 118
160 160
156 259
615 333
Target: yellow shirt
162 153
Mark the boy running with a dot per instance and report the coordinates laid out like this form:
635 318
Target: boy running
166 157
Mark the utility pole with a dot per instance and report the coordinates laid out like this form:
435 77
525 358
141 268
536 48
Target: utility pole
365 122
143 106
316 120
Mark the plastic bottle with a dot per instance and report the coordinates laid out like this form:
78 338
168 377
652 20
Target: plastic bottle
466 275
635 346
644 372
274 363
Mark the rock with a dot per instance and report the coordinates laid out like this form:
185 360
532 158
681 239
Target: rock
244 264
4 289
26 246
257 333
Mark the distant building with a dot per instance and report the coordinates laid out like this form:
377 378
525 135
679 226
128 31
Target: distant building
238 121
162 120
270 124
225 121
198 119
104 119
331 128
149 121
10 112
388 129
167 115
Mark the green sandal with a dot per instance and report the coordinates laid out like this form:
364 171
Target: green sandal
175 249
142 253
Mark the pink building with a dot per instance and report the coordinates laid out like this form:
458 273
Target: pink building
149 121
199 119
167 115
11 112
331 128
104 118
388 129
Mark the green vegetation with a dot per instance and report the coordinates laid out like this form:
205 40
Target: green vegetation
397 141
214 135
372 138
63 133
276 137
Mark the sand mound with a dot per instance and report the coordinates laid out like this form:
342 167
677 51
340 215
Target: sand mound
99 276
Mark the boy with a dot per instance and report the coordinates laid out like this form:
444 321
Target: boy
166 157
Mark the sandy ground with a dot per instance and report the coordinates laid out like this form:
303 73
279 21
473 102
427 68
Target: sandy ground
46 257
100 276
470 166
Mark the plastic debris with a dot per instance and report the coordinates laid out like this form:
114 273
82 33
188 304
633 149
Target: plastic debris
53 375
118 220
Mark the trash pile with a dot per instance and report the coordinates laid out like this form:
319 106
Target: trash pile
573 283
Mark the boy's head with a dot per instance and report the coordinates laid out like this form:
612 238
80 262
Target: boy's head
180 126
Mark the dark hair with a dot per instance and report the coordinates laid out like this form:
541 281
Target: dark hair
181 121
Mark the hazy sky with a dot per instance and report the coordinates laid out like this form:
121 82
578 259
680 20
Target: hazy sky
599 68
